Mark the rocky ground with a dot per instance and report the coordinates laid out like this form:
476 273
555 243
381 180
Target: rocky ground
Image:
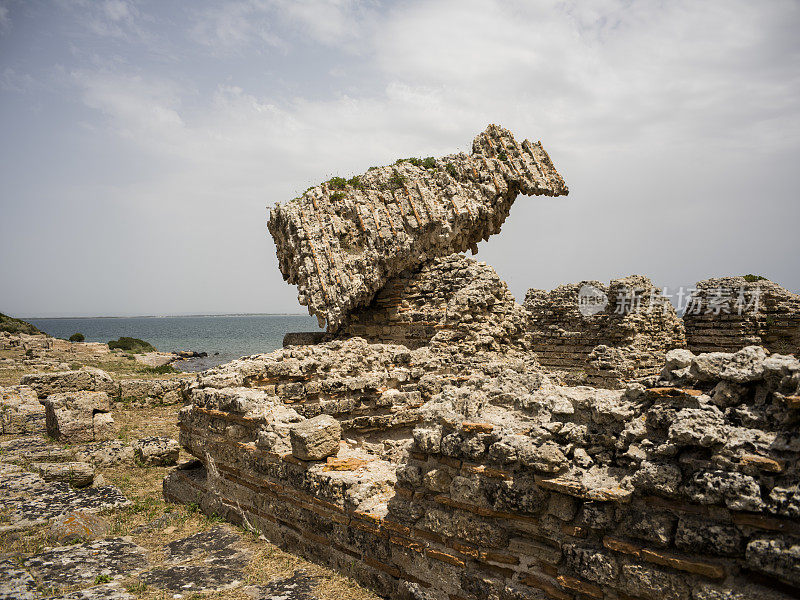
88 520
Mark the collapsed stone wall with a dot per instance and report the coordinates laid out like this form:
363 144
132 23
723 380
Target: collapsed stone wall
510 486
450 300
729 313
603 344
340 242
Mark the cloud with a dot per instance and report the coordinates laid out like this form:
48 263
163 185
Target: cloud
5 20
665 119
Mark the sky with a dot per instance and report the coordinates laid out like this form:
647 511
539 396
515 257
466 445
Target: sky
142 142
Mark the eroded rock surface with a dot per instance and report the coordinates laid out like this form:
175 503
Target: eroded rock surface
341 242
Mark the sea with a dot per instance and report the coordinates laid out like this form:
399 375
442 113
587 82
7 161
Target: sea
223 337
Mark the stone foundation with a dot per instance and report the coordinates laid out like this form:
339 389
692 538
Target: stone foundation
687 489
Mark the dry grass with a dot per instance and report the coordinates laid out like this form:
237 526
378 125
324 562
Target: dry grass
118 365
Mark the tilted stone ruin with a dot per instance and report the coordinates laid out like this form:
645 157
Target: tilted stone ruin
427 444
340 242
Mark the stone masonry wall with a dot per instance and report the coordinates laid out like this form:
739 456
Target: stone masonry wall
626 339
340 242
451 300
686 489
728 313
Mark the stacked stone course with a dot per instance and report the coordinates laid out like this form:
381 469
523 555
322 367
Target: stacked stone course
451 300
733 312
626 340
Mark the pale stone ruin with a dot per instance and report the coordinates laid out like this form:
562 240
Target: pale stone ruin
428 445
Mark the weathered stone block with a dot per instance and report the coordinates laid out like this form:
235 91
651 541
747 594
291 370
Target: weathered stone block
77 474
71 416
316 439
156 451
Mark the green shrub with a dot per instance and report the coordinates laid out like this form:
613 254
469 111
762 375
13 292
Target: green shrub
355 182
336 196
160 370
372 168
751 278
129 344
77 337
396 181
12 325
451 170
337 183
429 162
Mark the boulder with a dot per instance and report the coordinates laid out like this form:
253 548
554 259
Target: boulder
316 439
85 379
156 451
77 474
79 417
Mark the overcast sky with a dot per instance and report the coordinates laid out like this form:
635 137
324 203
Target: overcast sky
142 141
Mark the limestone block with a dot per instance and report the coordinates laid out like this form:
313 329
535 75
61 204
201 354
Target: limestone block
71 416
156 451
316 439
77 526
20 410
84 379
77 474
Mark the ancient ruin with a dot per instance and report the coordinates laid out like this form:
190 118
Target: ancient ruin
626 335
427 443
341 241
729 313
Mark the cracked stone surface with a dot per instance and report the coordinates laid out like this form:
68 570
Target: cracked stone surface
74 565
15 582
221 567
299 586
211 541
193 578
341 242
26 500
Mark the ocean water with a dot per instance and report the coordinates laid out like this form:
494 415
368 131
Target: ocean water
231 336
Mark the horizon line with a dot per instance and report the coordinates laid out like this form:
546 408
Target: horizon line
173 316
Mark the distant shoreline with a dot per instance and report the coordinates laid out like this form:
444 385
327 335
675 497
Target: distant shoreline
175 316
